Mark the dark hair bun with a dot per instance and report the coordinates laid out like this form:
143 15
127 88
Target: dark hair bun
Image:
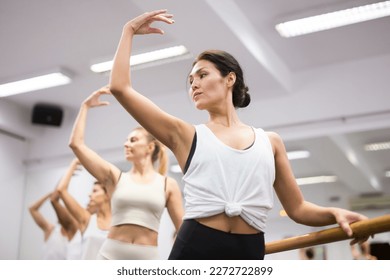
247 99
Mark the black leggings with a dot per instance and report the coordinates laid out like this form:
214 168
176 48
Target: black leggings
195 241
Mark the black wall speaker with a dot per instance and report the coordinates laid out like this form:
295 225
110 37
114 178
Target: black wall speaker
47 115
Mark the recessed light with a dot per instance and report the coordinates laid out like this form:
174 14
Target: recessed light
283 213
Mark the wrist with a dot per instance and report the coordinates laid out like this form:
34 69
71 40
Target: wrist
85 106
333 213
128 29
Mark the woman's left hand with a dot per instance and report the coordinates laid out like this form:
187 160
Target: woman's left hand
94 99
142 23
344 218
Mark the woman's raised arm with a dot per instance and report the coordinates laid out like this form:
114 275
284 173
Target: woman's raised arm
174 133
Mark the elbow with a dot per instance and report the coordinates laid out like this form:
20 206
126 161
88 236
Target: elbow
74 144
116 90
295 219
119 90
294 215
73 147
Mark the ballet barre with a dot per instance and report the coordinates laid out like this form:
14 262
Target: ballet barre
361 228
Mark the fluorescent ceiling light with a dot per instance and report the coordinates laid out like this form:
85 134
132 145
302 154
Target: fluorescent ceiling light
377 146
298 155
36 83
316 180
143 58
334 19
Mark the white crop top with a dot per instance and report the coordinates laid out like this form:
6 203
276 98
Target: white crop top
221 179
139 204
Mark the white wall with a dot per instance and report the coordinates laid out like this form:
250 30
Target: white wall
12 186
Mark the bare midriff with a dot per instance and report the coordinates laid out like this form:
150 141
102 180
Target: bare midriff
134 234
228 224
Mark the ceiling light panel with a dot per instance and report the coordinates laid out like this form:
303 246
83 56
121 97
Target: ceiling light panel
292 155
334 19
316 180
143 58
372 147
33 84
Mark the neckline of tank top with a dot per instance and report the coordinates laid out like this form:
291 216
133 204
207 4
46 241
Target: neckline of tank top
154 179
231 148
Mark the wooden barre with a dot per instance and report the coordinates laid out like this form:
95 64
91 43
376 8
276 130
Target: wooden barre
362 228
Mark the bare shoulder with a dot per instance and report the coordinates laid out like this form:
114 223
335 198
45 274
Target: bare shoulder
172 188
275 139
172 184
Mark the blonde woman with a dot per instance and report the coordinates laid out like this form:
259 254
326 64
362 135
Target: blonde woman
138 196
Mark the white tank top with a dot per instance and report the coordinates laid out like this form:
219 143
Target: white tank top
139 204
92 239
74 247
223 179
55 247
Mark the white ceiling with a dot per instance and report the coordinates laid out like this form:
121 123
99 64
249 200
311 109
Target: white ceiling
326 92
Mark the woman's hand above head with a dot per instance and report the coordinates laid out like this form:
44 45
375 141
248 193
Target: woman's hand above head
76 165
142 24
94 99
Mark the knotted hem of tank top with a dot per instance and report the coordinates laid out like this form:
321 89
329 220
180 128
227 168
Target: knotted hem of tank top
233 209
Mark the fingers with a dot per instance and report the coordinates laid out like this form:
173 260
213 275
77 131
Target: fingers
104 90
104 103
168 18
346 228
156 30
359 240
141 24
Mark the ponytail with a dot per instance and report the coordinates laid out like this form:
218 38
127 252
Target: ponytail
159 154
162 159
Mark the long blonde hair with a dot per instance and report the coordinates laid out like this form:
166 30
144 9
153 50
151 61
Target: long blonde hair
159 154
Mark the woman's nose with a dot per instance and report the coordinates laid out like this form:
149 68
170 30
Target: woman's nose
194 85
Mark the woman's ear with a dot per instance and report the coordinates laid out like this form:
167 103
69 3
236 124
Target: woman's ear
151 147
231 79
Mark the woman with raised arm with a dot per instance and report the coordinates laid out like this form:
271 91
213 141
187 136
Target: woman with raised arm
138 197
57 237
229 167
94 220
